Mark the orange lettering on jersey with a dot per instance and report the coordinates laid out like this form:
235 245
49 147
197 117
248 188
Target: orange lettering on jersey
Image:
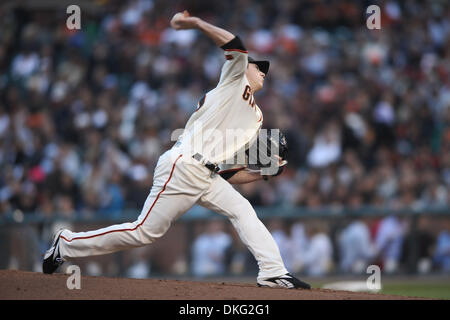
247 92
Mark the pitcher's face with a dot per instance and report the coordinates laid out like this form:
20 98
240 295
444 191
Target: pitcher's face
255 77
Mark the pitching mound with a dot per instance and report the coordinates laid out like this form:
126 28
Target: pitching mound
18 285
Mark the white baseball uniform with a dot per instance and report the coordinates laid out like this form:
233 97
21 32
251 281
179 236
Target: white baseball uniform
180 181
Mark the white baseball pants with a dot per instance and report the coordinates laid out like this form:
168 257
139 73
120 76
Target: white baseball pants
180 182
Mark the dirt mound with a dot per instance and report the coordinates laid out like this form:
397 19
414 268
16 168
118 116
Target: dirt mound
18 285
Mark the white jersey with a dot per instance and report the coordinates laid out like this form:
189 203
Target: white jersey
227 119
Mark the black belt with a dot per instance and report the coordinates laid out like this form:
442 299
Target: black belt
214 168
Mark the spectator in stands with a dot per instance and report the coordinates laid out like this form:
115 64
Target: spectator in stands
355 247
140 266
388 242
441 257
299 245
318 258
417 247
208 250
277 228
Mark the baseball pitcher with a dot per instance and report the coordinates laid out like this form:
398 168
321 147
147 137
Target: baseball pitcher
198 170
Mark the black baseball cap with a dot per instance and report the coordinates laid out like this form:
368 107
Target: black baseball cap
263 65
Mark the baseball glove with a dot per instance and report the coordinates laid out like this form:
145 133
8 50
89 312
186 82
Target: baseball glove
269 152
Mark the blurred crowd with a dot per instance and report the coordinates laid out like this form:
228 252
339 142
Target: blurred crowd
85 114
313 247
317 248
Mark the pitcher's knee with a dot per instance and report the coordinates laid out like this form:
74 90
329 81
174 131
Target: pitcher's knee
243 210
150 233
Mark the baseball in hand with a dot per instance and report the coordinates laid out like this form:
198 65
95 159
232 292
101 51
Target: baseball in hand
183 20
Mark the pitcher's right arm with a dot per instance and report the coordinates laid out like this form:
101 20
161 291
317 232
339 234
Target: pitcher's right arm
236 54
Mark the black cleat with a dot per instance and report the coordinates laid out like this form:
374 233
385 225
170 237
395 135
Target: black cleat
285 281
52 258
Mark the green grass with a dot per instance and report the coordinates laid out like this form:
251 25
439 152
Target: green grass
418 289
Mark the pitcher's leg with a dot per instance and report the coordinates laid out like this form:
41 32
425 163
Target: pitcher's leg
224 199
164 204
115 237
